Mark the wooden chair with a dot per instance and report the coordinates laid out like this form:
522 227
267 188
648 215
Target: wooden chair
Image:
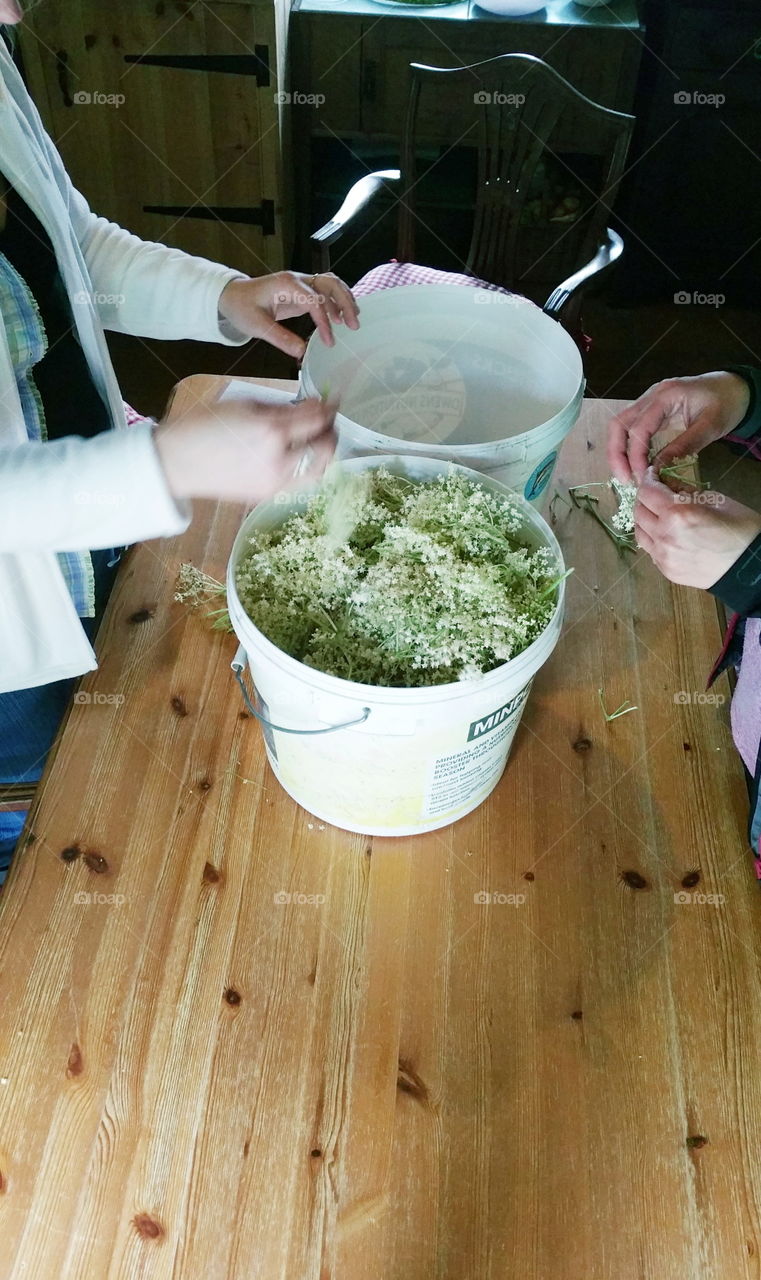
515 102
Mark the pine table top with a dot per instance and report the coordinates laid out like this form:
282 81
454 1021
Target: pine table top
398 1082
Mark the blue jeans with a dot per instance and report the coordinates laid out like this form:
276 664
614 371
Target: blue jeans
30 718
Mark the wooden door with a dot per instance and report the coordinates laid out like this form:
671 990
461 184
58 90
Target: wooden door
166 114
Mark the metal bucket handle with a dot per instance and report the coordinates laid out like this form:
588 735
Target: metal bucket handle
238 666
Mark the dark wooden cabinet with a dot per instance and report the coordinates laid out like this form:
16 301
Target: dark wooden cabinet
350 62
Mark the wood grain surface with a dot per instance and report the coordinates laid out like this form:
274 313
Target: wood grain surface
396 1082
179 138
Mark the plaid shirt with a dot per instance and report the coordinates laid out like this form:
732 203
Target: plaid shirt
27 342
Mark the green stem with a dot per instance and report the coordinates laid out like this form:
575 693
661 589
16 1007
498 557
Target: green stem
586 503
551 586
676 471
623 710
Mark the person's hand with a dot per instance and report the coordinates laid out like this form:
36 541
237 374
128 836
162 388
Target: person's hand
244 451
696 411
693 535
255 307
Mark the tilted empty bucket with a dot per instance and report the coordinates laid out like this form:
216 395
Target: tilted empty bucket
376 760
472 376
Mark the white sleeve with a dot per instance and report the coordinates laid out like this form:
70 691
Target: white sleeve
76 495
151 290
139 287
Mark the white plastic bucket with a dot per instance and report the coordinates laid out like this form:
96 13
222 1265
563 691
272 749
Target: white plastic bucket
468 375
419 758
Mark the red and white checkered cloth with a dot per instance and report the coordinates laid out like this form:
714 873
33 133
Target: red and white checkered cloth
390 275
132 415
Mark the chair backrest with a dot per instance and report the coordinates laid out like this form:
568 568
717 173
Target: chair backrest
510 108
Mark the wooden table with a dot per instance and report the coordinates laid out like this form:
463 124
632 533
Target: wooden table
397 1083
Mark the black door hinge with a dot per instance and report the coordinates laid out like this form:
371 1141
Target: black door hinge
238 64
262 215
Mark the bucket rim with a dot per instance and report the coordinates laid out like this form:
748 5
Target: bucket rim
308 387
354 690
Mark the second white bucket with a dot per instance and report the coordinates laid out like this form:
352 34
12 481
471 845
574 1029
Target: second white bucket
471 376
386 761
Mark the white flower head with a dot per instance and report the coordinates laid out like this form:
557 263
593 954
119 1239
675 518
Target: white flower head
392 582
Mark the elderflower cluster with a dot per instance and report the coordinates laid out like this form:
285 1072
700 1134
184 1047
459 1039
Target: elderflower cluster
389 582
623 519
198 591
683 469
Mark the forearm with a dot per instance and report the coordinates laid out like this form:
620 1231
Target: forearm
747 434
74 494
740 587
149 289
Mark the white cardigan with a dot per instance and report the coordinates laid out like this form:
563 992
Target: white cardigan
75 494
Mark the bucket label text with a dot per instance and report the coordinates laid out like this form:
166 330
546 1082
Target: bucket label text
479 727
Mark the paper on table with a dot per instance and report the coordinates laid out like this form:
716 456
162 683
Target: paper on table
239 390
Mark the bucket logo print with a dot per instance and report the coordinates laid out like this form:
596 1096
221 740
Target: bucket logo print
479 727
540 477
416 395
